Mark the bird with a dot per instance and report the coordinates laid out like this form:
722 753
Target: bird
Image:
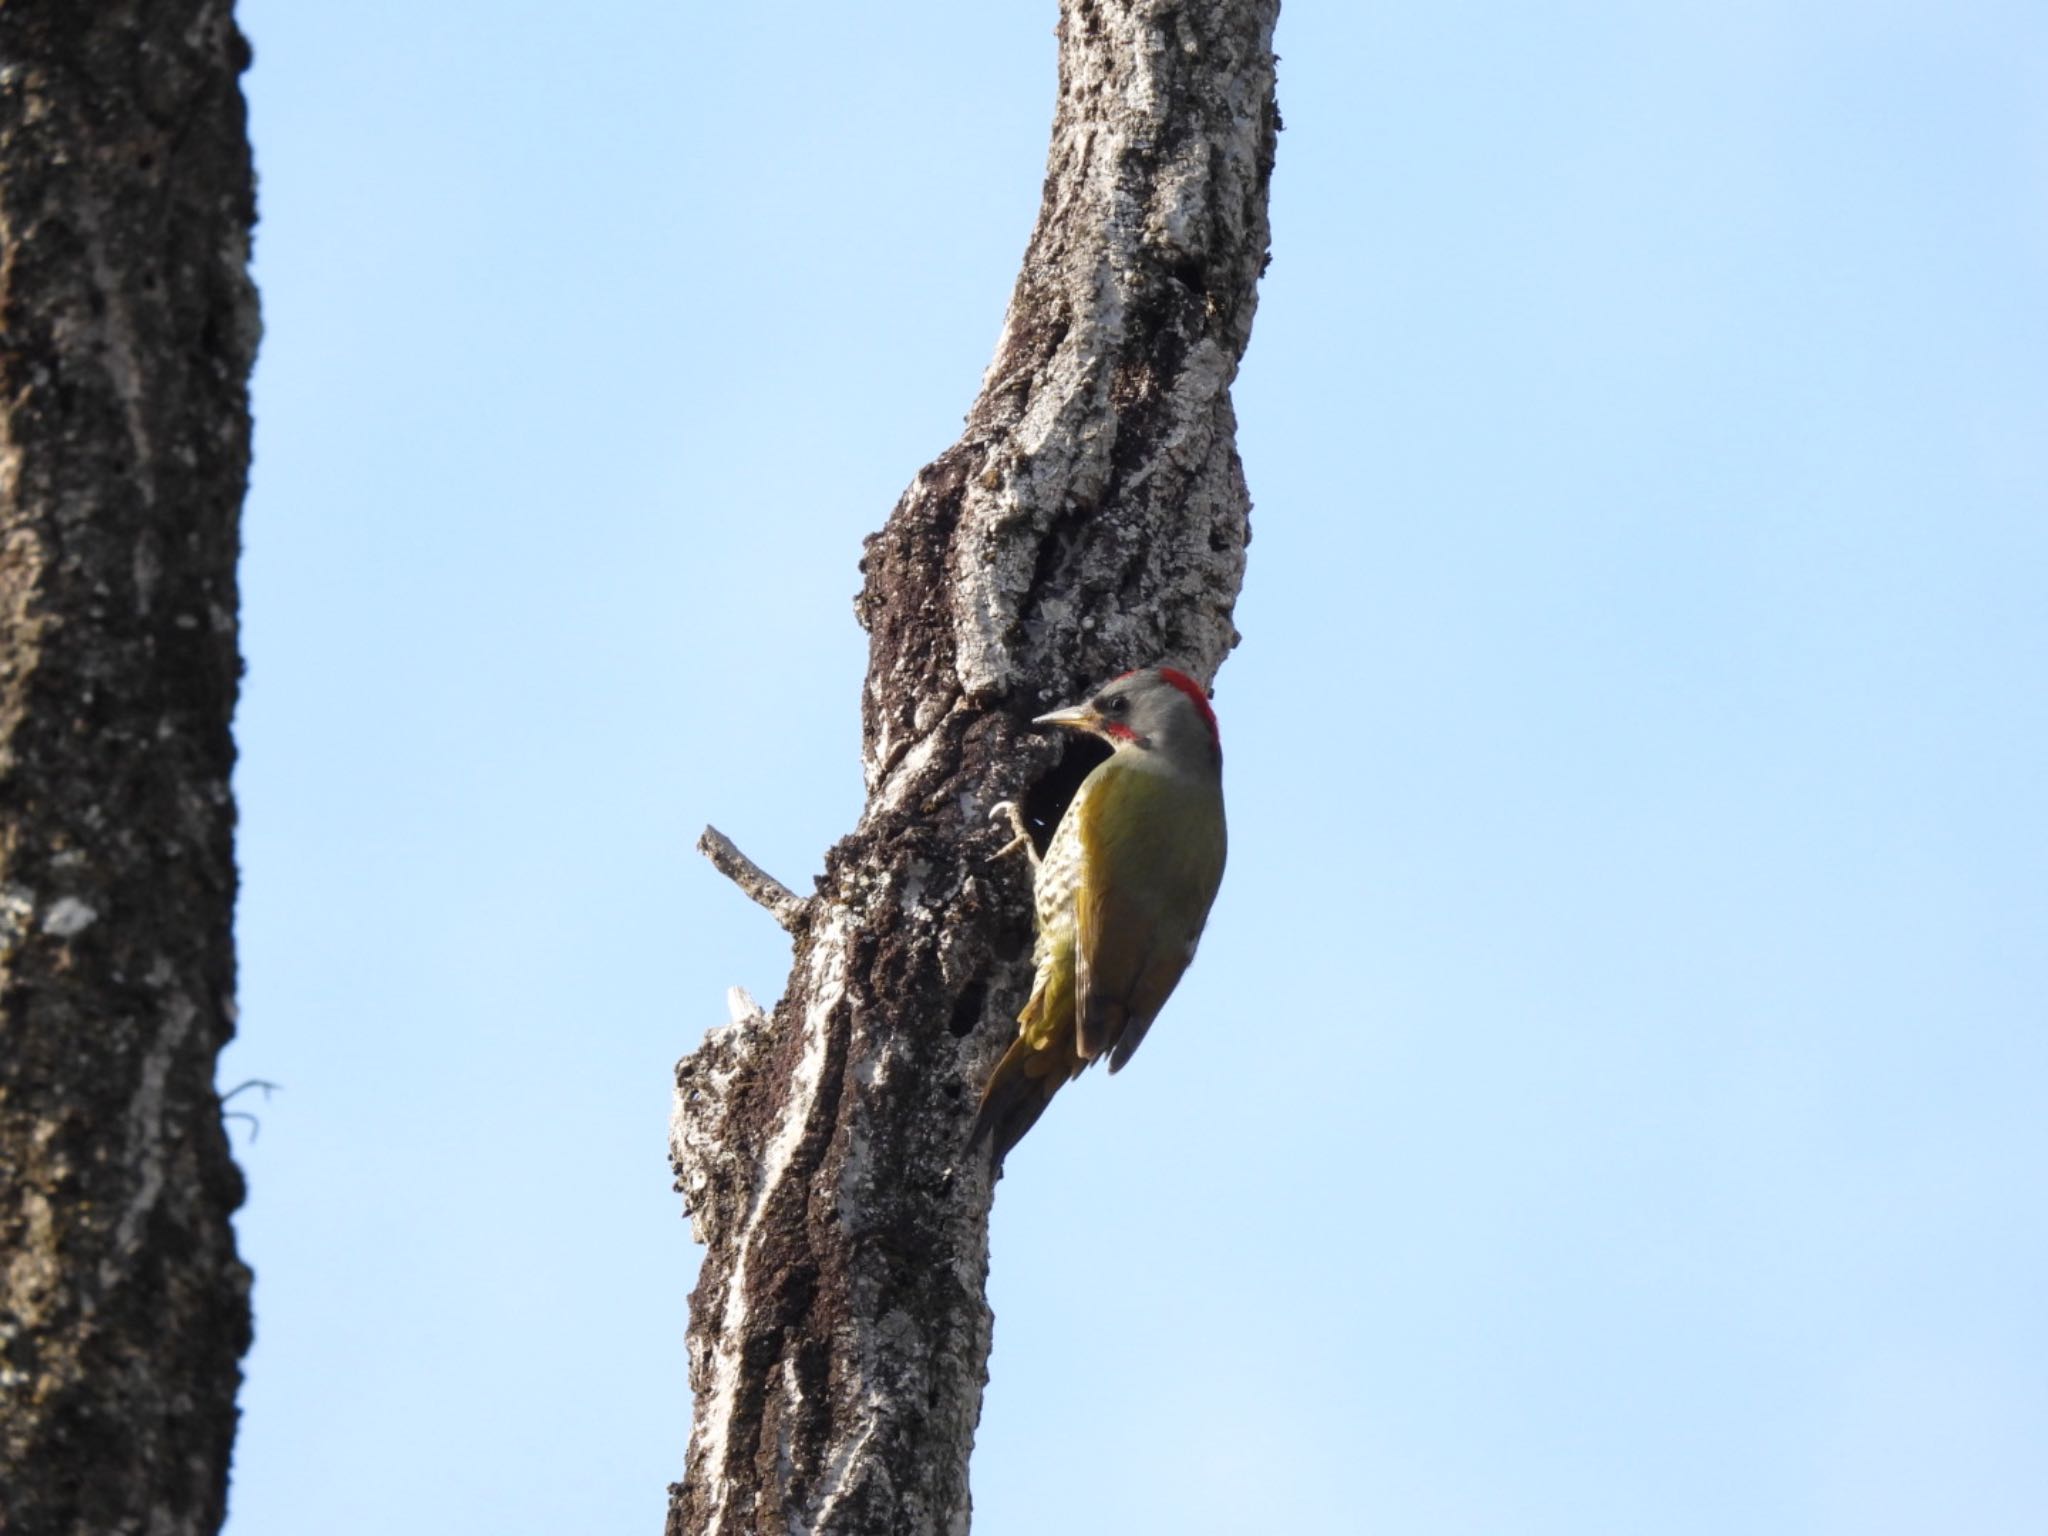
1120 895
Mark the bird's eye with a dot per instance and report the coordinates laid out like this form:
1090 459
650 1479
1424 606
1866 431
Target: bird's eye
1115 704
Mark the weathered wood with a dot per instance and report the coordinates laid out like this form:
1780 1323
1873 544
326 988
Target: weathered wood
1092 517
127 330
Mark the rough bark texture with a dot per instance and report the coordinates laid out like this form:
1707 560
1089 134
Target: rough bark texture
1091 518
127 329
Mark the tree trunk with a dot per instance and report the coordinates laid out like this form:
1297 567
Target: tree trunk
127 329
1091 518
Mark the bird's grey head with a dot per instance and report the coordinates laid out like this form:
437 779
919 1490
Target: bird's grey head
1154 709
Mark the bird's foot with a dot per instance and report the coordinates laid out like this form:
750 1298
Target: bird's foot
1008 808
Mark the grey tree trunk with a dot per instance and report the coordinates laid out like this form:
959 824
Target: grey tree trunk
127 329
1091 518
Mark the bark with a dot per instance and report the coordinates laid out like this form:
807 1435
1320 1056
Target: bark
1092 517
127 329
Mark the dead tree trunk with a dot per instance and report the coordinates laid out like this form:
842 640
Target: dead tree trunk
127 329
1091 518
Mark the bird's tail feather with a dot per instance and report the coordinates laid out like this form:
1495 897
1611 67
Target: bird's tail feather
1022 1084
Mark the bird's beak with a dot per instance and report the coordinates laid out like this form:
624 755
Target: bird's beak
1078 717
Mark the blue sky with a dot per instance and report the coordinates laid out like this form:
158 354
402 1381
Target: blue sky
1613 1094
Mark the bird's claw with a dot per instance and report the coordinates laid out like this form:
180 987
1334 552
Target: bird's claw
1022 839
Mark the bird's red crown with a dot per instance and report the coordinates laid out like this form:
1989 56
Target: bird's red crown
1193 690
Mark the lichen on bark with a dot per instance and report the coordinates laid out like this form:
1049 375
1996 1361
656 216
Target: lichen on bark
1092 517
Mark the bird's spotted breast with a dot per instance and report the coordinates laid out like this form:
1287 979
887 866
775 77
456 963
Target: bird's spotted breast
1059 871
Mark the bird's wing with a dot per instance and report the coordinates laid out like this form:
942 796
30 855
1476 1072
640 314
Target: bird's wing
1148 877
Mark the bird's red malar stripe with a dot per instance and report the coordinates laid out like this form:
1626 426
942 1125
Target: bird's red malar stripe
1193 690
1116 730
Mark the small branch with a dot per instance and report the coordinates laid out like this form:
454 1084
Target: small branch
762 888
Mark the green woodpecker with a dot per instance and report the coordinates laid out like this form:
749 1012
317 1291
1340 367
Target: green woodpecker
1121 893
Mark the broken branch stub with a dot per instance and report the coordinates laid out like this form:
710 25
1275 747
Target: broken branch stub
763 889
